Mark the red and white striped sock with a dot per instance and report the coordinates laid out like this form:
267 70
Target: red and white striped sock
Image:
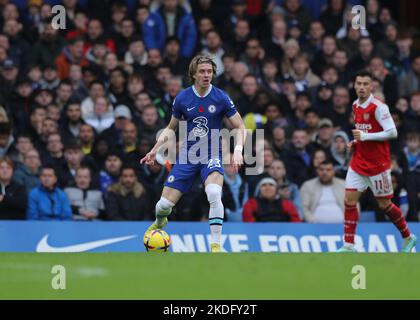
394 213
351 217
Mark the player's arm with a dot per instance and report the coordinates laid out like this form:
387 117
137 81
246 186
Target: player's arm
383 116
237 123
240 132
172 126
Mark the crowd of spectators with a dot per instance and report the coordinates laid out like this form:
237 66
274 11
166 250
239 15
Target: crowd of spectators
80 106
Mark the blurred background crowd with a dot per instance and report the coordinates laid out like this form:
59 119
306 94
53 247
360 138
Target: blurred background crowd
80 106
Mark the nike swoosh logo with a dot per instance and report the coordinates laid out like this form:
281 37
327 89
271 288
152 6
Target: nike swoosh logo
189 109
43 245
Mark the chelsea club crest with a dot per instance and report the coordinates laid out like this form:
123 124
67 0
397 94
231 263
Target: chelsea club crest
212 108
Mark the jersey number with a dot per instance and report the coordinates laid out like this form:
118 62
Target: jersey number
214 163
383 184
378 185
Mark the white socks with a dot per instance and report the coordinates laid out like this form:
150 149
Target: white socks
163 209
216 213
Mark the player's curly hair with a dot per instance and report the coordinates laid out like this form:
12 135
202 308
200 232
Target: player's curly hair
199 59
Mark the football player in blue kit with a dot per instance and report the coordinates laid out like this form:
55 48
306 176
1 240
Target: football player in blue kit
203 107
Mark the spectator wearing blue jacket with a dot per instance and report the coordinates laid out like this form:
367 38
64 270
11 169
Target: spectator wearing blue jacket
170 19
111 172
235 193
48 202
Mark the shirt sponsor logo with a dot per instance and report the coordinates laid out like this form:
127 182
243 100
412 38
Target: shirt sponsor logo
363 126
201 129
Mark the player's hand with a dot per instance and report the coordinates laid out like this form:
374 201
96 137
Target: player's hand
237 160
149 158
357 134
350 145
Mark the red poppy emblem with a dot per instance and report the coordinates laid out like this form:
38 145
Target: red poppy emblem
200 109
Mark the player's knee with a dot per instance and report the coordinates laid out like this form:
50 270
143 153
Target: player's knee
348 202
214 193
383 203
164 207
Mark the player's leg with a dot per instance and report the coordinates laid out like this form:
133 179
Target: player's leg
381 186
213 187
395 215
351 218
163 209
355 185
179 181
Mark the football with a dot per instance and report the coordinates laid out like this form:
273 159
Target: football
156 241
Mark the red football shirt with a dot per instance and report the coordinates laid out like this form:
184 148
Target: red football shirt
371 157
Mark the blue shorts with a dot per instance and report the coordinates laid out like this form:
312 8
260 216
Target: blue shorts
182 176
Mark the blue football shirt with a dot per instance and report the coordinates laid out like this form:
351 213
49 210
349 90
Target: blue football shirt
203 116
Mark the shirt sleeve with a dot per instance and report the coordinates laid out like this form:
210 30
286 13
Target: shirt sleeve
176 108
229 106
384 118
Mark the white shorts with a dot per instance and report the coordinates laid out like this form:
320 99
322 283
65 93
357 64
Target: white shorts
381 184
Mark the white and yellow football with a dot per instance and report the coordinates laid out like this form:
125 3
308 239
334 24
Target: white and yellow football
156 241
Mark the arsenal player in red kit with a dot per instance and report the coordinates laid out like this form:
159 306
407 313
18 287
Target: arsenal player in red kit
370 166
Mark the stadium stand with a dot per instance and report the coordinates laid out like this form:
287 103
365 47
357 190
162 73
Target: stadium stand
96 93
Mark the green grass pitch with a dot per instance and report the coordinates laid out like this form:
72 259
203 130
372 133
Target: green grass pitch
209 276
